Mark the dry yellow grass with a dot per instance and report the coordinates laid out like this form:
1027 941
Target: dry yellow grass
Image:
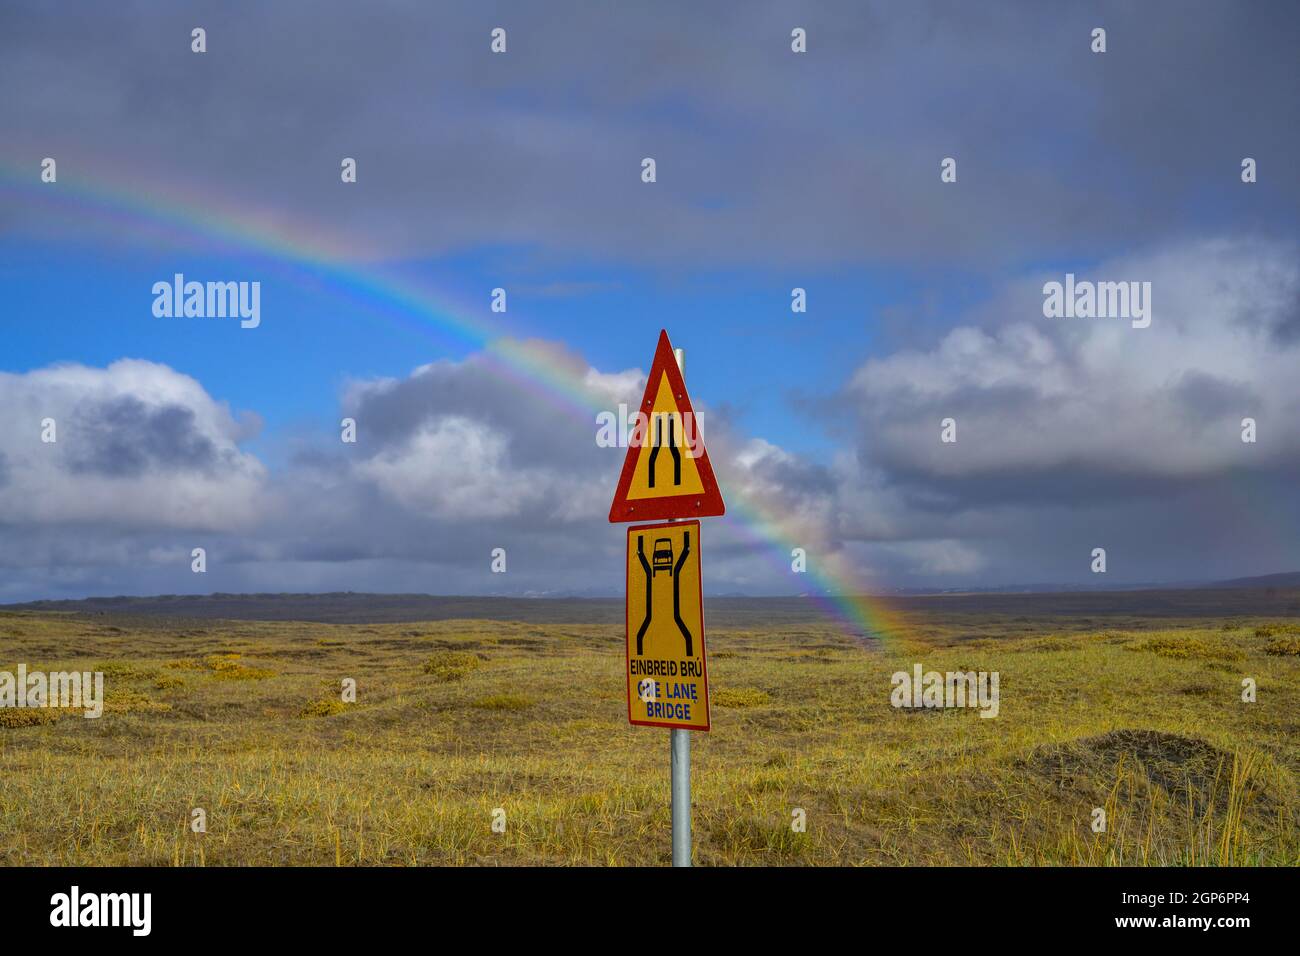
1145 724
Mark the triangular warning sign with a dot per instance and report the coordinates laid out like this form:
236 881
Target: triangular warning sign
666 473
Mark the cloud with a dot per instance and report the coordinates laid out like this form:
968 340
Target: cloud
125 436
1072 434
453 469
451 461
137 446
1094 404
467 440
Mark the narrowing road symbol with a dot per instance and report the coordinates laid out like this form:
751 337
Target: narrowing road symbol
663 561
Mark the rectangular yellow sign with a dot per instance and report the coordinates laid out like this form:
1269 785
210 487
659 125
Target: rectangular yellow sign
667 682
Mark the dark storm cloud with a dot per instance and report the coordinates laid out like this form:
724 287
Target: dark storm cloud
1201 530
1287 331
123 437
764 156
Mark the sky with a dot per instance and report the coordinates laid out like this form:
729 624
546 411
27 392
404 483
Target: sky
523 170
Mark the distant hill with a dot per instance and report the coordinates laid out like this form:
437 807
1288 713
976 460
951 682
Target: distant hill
1290 579
1275 595
347 607
339 607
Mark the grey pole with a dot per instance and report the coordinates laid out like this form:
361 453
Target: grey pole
679 743
679 747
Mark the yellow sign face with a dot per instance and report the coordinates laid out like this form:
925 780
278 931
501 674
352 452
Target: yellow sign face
671 440
667 682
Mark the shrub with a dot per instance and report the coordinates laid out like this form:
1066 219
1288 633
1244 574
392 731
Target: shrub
451 665
27 716
167 681
1283 647
1272 630
132 702
125 670
227 667
323 708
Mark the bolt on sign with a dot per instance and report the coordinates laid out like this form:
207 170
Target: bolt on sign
666 473
667 680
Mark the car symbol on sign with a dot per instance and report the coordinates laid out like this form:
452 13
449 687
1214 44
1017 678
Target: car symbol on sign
662 559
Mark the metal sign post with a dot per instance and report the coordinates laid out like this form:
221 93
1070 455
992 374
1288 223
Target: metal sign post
679 745
679 748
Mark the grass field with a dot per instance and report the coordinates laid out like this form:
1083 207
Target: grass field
457 718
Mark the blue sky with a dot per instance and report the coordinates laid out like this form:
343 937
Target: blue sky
734 324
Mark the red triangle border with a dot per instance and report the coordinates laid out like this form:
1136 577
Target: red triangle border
707 504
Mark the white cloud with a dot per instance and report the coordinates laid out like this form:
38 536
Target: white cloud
458 469
615 386
139 446
1033 393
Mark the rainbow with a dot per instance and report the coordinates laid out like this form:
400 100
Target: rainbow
306 259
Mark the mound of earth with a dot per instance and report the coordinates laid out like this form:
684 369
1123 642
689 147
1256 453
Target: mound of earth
1171 761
